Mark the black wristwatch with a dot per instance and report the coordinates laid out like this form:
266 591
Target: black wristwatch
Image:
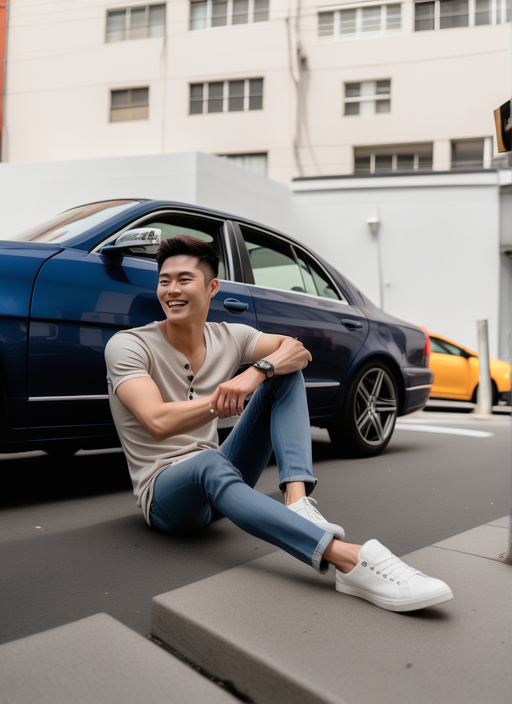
266 367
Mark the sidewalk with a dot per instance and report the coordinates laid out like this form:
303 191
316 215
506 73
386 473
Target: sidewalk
280 633
275 632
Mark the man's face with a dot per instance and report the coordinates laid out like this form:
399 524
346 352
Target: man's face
182 291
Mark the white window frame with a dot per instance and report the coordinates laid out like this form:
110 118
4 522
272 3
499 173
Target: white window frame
128 107
373 97
225 96
394 159
229 22
358 7
127 20
236 158
498 14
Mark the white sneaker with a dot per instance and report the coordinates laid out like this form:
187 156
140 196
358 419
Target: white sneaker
386 581
304 507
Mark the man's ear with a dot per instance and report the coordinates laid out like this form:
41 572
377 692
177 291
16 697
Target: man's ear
214 287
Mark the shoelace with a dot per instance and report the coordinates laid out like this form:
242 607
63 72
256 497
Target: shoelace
394 568
313 513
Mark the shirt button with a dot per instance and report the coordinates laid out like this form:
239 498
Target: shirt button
190 378
191 398
187 366
191 390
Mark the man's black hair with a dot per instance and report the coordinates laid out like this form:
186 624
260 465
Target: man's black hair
193 247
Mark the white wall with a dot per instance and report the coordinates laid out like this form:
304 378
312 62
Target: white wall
439 239
31 193
440 233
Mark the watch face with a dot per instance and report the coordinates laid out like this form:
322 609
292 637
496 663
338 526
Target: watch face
263 364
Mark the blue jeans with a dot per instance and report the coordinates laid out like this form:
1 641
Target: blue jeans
275 418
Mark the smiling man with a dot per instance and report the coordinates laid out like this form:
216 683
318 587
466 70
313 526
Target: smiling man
170 381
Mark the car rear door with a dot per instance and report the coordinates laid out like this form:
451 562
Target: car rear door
82 298
293 295
452 370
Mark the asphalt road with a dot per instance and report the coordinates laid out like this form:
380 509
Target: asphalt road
72 542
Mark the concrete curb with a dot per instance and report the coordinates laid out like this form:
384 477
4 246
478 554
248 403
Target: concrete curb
280 633
98 661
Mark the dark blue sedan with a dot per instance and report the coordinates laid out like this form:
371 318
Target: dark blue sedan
69 284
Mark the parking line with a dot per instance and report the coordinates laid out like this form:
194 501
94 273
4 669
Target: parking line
447 431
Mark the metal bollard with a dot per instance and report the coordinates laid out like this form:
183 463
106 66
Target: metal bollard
484 394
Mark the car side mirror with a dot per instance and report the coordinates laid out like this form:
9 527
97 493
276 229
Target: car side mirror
139 237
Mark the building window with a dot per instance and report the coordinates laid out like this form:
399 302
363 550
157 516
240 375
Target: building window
400 157
357 22
136 23
257 163
368 97
226 96
446 14
131 104
471 153
205 14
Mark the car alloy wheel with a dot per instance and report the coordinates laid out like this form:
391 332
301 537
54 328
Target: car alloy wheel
375 407
367 421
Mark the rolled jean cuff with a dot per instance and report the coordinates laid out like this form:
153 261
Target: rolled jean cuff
317 560
308 480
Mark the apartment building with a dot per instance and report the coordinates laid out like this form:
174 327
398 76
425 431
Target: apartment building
287 88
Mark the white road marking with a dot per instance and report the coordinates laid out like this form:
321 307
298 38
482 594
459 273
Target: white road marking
464 419
447 431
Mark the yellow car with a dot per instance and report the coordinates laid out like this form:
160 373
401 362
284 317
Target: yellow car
456 372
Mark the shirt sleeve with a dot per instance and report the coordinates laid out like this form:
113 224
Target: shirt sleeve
246 339
126 358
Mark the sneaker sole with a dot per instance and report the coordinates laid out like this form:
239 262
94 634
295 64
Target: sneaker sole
398 605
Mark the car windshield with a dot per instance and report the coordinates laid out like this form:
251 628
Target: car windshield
73 222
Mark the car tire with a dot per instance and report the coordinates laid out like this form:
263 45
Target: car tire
494 398
366 423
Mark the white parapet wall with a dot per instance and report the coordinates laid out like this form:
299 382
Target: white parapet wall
31 193
439 237
439 233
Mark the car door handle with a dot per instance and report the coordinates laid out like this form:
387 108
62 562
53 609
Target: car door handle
351 324
234 304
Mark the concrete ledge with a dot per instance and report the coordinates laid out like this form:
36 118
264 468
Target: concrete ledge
98 661
281 634
489 540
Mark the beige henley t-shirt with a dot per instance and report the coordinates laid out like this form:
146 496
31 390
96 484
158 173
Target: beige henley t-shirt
145 352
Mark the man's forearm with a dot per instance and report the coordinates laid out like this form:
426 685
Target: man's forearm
178 418
291 356
163 420
287 357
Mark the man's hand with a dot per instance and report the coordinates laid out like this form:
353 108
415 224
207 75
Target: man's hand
228 398
285 353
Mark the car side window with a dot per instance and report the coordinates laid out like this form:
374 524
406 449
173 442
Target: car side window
277 264
273 262
443 347
173 224
315 279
